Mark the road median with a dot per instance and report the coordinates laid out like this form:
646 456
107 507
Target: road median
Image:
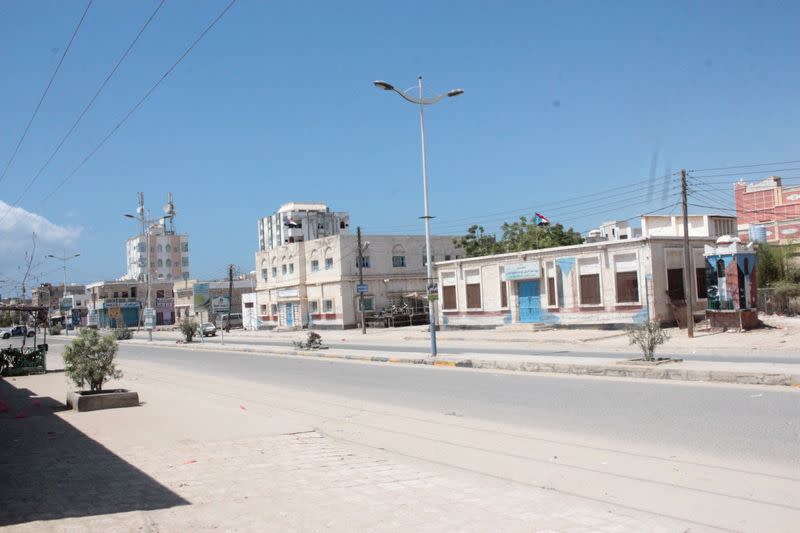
787 375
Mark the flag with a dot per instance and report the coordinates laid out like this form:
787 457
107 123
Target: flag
540 220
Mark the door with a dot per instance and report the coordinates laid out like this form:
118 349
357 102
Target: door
529 306
287 311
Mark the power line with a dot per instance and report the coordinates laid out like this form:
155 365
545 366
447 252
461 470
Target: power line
763 171
46 90
744 166
90 103
142 99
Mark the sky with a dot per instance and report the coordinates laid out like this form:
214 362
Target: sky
571 109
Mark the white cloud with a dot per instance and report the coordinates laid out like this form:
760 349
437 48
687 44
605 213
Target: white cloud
16 227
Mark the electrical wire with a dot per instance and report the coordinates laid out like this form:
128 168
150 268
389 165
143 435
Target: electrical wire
142 100
90 103
744 166
46 90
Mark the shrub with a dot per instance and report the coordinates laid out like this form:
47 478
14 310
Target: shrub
55 329
189 329
647 336
89 359
122 333
313 342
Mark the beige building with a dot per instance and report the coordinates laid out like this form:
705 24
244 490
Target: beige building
609 282
219 291
313 283
112 302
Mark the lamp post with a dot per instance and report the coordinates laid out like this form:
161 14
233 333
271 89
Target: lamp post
64 258
145 232
422 101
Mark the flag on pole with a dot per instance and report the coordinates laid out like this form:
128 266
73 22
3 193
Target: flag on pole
540 220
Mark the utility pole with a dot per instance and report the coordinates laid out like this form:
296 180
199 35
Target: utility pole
687 260
361 282
230 298
64 259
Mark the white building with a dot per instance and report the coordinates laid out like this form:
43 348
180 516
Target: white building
297 222
608 282
313 282
169 251
699 225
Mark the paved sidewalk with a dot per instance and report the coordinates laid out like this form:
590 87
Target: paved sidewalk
192 460
781 374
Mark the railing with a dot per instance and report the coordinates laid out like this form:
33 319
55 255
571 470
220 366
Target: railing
115 302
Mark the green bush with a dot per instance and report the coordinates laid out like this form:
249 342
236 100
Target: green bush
55 329
647 336
122 333
89 359
189 329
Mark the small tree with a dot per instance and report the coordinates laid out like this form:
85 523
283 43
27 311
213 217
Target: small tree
189 329
90 359
647 336
122 333
55 329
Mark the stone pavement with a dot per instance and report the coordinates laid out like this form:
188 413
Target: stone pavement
202 461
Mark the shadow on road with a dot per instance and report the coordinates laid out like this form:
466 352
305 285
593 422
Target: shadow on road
50 470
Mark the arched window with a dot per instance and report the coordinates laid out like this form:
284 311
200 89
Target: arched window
168 263
168 249
328 259
160 263
314 264
160 248
398 256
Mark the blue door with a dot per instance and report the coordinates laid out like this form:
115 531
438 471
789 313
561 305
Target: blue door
287 311
529 306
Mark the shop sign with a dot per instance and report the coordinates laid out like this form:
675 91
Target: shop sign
526 270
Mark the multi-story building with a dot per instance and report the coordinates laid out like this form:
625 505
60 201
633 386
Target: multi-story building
297 222
313 282
608 282
699 225
219 291
169 250
63 305
768 211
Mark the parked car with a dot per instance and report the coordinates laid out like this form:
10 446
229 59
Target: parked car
16 331
236 320
208 330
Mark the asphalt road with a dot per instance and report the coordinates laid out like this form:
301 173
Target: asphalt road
450 348
754 423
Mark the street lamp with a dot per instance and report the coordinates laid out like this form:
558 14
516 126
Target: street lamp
145 231
64 258
422 101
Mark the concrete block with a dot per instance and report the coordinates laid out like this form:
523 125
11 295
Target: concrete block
110 399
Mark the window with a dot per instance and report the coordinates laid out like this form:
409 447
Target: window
133 292
160 294
168 249
447 257
327 306
551 291
141 247
168 262
264 272
448 290
425 259
328 263
627 287
589 276
273 309
364 261
116 294
283 269
263 309
160 263
291 268
626 267
702 288
124 294
274 272
398 261
185 261
184 247
368 304
503 294
313 307
675 283
473 278
315 265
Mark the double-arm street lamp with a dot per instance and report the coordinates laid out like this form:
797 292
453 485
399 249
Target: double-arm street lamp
64 258
141 217
422 101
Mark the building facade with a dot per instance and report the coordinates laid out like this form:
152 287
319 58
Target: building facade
313 283
768 211
616 281
298 222
219 291
169 255
112 303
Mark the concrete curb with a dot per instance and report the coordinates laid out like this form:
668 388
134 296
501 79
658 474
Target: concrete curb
613 369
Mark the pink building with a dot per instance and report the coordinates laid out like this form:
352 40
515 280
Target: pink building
767 210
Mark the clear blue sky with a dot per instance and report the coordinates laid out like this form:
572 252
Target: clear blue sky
276 104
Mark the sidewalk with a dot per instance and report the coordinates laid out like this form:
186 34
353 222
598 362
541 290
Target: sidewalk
204 454
725 372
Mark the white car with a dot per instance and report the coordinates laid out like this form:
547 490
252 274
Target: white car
16 331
